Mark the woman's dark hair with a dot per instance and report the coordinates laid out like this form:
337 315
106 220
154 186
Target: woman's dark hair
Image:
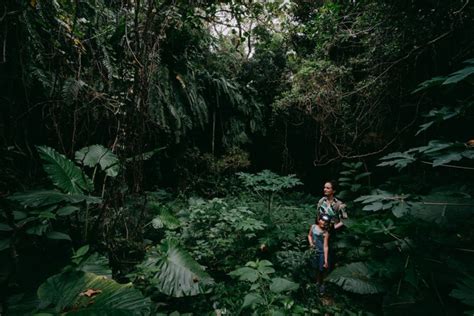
333 185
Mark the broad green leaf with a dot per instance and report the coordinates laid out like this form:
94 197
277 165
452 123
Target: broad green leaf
279 285
47 215
362 175
5 244
355 278
37 229
469 154
436 81
265 270
459 75
439 115
18 215
275 312
63 172
387 205
439 207
379 196
447 158
424 127
25 221
67 210
347 172
21 304
263 263
5 228
376 206
81 251
435 146
58 235
400 209
355 187
245 274
178 273
254 287
67 292
50 197
94 155
97 264
464 290
397 159
252 299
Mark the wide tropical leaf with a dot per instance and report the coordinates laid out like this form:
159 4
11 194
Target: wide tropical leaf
460 75
355 278
5 244
440 207
397 159
279 285
464 291
433 82
58 236
51 197
178 273
81 293
252 299
67 210
94 155
245 274
63 172
97 264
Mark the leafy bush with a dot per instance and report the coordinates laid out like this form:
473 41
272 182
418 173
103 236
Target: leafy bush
218 227
267 295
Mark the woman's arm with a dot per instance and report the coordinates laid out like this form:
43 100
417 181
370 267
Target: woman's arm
326 250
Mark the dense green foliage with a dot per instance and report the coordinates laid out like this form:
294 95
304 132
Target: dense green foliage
166 157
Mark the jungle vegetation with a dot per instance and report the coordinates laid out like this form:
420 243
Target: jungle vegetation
164 157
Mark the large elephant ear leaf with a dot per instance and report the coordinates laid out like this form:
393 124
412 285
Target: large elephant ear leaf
178 273
94 155
464 292
355 278
81 293
63 172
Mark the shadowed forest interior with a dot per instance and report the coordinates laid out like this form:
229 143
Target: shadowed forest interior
162 157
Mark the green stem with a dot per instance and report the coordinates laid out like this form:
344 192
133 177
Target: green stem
86 227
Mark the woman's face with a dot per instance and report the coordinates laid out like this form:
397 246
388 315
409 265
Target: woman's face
328 191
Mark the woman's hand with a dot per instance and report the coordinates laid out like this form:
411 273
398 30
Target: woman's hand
326 265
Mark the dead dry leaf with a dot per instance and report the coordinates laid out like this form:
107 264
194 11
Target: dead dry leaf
90 292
